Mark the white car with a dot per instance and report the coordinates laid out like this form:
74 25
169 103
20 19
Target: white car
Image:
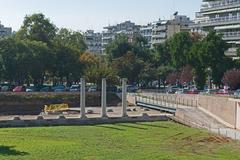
92 89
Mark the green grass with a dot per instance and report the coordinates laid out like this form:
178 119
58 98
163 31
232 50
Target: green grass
139 141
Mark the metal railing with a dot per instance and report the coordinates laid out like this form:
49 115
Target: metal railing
220 4
221 19
164 100
227 35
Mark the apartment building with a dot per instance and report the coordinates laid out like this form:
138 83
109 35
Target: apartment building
222 16
5 31
128 28
93 41
146 32
165 29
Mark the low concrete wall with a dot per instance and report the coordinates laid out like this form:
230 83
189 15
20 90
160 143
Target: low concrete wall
219 107
78 121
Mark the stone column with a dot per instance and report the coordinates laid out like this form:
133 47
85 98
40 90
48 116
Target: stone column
82 99
104 99
124 97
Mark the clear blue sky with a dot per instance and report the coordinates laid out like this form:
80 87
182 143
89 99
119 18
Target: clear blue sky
94 14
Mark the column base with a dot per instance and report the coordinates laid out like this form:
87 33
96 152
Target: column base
125 116
83 117
104 117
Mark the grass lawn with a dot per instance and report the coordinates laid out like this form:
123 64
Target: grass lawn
139 141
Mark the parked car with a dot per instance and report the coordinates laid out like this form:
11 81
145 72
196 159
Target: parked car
172 90
46 89
222 92
7 88
237 93
132 88
92 89
59 88
32 89
74 88
192 91
112 89
19 89
209 91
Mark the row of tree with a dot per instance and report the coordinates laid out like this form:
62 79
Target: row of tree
41 52
186 58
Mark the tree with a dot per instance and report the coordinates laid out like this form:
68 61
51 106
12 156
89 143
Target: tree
94 74
118 47
179 46
12 56
38 28
89 60
232 78
71 39
186 75
40 61
160 55
210 53
140 47
128 66
67 64
173 78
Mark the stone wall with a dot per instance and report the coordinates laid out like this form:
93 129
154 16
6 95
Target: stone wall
33 103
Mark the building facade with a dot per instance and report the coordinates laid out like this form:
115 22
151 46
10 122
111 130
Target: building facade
5 31
93 41
222 16
128 28
146 32
165 29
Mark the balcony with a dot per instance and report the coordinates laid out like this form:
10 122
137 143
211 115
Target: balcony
220 21
220 5
160 28
231 36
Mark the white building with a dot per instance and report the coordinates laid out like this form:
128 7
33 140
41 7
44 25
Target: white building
5 31
93 41
128 28
222 16
146 32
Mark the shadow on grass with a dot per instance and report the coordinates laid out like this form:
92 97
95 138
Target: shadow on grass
152 125
114 128
10 151
134 126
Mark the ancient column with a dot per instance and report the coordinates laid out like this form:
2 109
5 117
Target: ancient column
82 99
104 99
124 97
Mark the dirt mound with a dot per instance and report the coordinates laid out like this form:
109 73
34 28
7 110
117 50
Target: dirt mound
215 139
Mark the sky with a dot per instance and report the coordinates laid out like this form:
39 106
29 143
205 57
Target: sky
81 15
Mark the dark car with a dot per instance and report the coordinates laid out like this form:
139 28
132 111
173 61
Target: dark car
32 89
59 88
112 89
7 88
46 89
132 88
